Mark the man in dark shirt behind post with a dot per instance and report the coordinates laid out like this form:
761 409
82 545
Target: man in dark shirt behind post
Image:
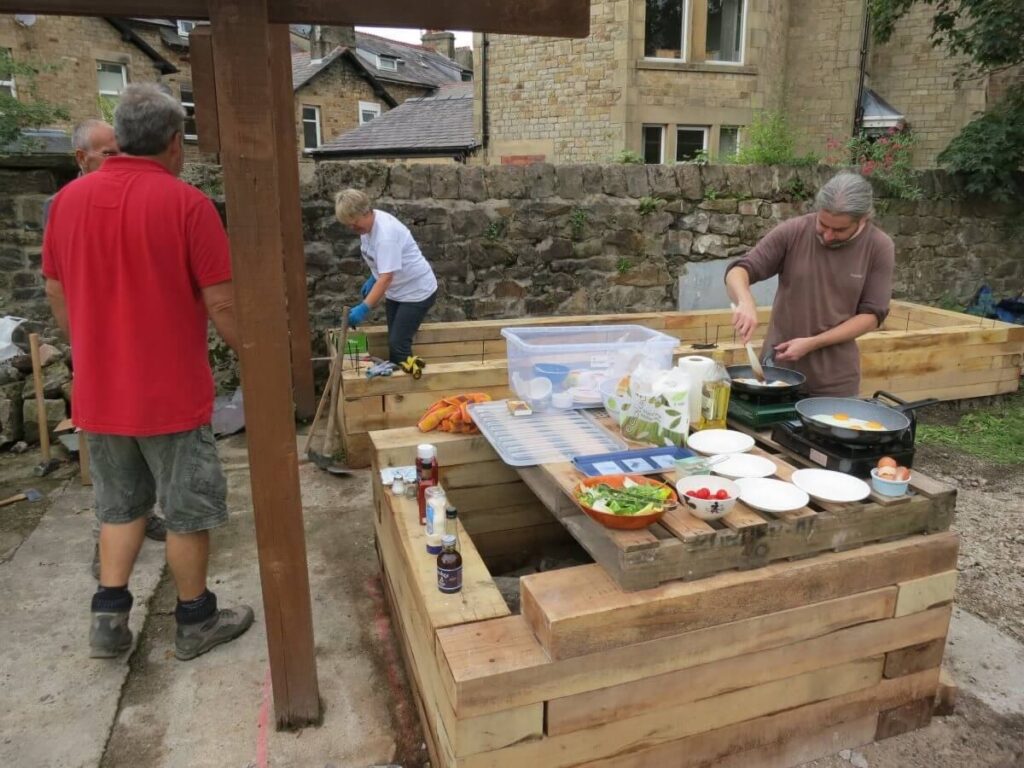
835 282
136 262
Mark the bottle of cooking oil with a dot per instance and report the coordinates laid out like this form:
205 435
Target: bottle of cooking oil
715 392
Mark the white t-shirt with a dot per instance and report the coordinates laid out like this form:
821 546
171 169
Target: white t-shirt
390 247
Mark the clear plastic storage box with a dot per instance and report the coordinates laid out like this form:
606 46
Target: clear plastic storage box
564 366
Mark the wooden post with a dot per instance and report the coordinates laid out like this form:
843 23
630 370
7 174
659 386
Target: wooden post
204 89
291 220
245 99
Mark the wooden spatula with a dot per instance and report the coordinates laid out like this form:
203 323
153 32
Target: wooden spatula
755 364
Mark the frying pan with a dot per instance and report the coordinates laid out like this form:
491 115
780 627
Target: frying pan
892 418
794 380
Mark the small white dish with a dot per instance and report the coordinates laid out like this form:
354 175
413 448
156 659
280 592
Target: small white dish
775 496
739 465
714 441
561 400
835 487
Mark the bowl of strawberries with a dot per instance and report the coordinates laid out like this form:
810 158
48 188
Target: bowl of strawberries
708 497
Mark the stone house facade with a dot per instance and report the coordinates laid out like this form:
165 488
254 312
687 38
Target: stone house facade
338 86
668 78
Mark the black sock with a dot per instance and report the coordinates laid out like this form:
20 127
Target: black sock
112 600
196 611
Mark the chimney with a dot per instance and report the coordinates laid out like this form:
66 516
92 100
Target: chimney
324 39
440 41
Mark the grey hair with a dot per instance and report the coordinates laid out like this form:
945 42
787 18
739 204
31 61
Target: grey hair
146 119
81 136
847 194
350 204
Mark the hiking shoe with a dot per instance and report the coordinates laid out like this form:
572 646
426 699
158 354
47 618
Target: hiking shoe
109 635
96 561
193 640
155 528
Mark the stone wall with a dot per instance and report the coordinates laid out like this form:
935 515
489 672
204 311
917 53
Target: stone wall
511 241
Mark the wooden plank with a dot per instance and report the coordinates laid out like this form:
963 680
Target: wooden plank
905 718
251 178
732 742
684 525
482 474
567 18
204 89
470 499
397 447
444 378
586 710
494 519
479 599
673 723
303 390
499 664
743 518
915 658
510 549
921 594
577 611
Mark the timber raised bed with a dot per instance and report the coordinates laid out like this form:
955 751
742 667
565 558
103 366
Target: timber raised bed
769 667
920 352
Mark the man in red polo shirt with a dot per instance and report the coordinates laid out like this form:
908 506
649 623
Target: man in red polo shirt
136 262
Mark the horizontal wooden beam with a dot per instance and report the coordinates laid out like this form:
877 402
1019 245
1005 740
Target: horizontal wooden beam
555 18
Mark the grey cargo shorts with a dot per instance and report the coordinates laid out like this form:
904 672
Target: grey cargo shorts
180 470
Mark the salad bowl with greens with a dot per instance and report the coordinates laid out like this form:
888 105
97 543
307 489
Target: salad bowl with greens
624 502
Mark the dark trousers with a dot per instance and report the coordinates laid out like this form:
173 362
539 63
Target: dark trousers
404 318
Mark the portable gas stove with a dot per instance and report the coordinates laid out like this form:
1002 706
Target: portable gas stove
856 460
760 411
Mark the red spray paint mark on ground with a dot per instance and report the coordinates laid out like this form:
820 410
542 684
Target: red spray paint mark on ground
383 632
262 726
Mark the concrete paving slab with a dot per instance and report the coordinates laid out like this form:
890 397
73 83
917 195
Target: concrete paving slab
987 663
216 711
58 705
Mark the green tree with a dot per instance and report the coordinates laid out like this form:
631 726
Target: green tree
989 34
24 111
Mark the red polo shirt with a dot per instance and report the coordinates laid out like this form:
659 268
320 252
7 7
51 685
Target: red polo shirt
132 246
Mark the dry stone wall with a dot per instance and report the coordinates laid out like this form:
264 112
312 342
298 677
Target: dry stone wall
512 241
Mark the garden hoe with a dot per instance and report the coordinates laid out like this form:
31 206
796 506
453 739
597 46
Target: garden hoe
324 458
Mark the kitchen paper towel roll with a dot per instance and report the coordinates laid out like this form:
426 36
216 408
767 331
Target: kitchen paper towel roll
698 369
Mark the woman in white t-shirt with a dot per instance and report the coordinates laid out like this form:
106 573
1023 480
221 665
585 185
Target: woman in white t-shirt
399 275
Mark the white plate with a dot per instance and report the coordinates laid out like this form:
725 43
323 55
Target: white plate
773 496
826 485
713 441
737 465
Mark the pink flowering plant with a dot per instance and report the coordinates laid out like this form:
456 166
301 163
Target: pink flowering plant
885 158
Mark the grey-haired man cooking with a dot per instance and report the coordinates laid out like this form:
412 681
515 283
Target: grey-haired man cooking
835 282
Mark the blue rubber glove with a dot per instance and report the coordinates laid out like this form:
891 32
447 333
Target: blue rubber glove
367 287
357 314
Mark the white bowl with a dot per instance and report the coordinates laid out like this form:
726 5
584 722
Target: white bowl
737 465
775 496
714 441
826 485
707 509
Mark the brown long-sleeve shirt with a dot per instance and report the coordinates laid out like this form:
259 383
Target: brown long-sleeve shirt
820 288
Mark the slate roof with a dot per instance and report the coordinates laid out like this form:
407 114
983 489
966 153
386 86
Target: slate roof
441 124
305 69
417 65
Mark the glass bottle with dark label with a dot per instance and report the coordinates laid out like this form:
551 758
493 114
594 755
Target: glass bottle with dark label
449 566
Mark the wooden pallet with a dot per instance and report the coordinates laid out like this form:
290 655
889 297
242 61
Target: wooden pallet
910 357
682 546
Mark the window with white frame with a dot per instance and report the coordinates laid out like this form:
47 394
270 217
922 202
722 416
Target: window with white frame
690 141
665 28
188 102
311 136
6 76
728 141
111 80
388 63
185 27
654 144
368 110
724 42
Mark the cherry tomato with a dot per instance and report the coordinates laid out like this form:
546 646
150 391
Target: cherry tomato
704 493
722 494
691 493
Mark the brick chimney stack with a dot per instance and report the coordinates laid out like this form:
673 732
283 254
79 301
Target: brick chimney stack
441 41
